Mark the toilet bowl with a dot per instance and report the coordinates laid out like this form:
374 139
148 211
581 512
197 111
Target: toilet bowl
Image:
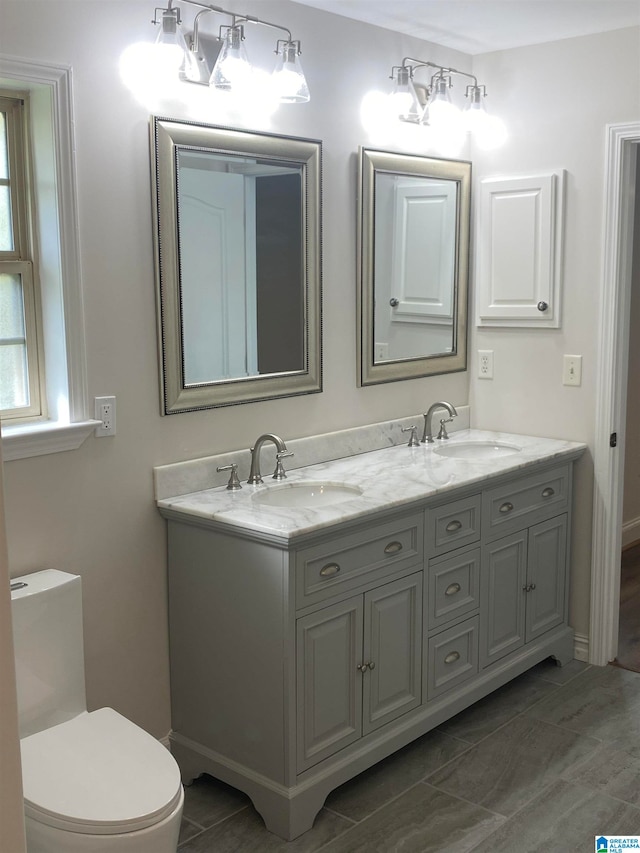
93 782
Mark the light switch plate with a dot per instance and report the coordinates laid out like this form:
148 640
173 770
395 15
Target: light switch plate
572 370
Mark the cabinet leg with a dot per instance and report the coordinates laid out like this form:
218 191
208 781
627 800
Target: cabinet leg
287 818
563 653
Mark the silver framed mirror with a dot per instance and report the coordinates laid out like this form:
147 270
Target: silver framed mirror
237 226
413 265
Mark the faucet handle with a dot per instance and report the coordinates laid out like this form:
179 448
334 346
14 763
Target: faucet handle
234 482
442 434
280 473
413 438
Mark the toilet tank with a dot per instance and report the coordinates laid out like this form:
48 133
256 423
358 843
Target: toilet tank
46 610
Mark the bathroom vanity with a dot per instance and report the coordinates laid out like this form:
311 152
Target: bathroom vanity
320 624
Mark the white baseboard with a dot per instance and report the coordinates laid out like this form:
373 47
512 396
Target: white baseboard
581 647
630 532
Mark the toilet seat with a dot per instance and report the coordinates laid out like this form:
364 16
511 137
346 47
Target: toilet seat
98 774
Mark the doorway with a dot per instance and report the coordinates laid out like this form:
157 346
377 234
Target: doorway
620 180
628 655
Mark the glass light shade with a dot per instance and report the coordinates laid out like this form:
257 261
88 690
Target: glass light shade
441 111
232 71
288 77
171 50
475 112
405 103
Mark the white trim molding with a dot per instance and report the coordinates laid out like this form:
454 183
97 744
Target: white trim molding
59 260
581 647
620 161
630 532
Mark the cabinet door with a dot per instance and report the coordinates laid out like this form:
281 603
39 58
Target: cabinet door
503 596
519 267
329 686
393 651
546 566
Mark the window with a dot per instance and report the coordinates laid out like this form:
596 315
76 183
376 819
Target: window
20 364
51 272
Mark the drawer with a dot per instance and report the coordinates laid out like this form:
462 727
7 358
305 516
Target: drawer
516 505
343 563
453 587
452 658
453 524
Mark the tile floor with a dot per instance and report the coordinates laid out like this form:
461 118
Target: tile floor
544 764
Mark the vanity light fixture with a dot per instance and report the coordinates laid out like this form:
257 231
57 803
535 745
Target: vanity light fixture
232 70
431 103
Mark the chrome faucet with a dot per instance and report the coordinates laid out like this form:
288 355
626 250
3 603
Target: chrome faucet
255 478
427 432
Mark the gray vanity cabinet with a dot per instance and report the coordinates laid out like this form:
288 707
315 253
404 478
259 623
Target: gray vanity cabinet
524 579
298 663
358 667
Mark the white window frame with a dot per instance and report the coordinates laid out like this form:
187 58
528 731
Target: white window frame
67 424
19 260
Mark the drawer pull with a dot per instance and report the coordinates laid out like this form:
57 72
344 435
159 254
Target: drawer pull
452 589
453 526
329 570
548 492
393 547
452 657
506 507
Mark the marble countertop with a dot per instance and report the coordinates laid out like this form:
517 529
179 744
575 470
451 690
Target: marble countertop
389 479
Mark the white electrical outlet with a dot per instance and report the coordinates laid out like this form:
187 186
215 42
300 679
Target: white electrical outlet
485 364
572 370
105 412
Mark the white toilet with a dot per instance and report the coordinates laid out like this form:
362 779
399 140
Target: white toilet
93 781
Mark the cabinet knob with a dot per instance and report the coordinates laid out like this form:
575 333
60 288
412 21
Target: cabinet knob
452 657
452 589
542 306
393 547
506 507
453 526
329 570
548 492
363 667
394 302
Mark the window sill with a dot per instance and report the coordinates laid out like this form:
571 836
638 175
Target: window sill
38 439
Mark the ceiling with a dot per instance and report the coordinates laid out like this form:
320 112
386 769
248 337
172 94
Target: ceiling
482 26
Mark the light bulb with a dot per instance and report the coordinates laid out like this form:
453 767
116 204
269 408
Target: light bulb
288 77
232 70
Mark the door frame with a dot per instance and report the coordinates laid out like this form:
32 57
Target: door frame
613 353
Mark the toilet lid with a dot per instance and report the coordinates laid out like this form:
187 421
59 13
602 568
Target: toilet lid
98 774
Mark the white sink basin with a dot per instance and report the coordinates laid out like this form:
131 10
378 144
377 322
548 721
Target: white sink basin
480 450
310 495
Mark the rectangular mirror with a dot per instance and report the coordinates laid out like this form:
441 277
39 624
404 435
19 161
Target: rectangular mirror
238 266
413 256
